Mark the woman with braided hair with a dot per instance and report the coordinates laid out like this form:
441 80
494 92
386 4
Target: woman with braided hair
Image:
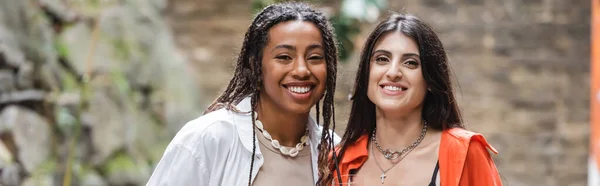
259 131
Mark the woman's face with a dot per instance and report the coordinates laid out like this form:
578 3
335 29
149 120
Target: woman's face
294 70
396 80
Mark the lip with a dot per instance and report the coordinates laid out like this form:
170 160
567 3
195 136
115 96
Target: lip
403 90
299 83
300 96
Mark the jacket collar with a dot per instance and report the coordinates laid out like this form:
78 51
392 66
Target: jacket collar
357 150
453 150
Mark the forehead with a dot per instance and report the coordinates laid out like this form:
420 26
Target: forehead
295 30
396 42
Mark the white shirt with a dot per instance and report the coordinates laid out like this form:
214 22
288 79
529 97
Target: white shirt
215 149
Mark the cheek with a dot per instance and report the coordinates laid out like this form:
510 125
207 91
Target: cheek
320 72
269 77
420 84
421 80
372 83
265 75
375 75
265 69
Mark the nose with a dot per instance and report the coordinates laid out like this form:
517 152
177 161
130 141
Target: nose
394 73
301 70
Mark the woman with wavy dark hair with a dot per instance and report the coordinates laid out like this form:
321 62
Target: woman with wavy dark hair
405 127
259 132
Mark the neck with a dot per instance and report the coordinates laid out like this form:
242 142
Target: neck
396 131
285 127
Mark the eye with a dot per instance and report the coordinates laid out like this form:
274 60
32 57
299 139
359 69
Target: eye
283 57
316 57
382 59
411 63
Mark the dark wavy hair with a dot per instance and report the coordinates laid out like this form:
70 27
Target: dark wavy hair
246 80
439 106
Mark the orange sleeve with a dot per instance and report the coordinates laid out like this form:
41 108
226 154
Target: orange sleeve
480 169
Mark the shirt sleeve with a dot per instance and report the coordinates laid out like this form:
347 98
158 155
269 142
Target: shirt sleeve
178 166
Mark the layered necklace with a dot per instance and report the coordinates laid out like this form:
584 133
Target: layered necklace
395 154
287 151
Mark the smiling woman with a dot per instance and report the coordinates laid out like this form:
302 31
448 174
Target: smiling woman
287 65
405 127
294 72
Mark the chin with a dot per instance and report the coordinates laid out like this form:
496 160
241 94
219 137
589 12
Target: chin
387 108
299 109
387 105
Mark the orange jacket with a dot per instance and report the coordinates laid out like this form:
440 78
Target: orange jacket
463 158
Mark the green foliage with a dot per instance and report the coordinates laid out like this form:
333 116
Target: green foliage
65 120
61 48
47 168
70 83
121 83
120 162
121 49
345 29
347 21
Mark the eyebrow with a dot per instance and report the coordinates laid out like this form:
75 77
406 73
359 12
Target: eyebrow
290 47
389 53
314 46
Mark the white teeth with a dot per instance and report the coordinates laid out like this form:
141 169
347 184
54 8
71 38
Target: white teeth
393 88
298 89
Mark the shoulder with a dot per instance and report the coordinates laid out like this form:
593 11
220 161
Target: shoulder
475 142
459 134
464 153
214 128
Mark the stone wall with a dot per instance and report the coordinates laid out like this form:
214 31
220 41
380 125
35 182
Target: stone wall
108 128
521 67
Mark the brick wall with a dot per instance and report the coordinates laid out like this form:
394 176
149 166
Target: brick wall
522 68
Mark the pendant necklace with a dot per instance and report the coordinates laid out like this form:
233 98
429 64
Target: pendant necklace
393 155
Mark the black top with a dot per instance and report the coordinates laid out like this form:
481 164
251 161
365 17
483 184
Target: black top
435 171
433 177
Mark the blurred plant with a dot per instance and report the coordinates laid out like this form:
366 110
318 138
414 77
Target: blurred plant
93 9
345 29
346 21
83 104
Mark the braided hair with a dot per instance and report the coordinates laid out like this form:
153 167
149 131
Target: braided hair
246 80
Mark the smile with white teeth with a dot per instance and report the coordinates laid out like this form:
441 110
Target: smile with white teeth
299 89
394 88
